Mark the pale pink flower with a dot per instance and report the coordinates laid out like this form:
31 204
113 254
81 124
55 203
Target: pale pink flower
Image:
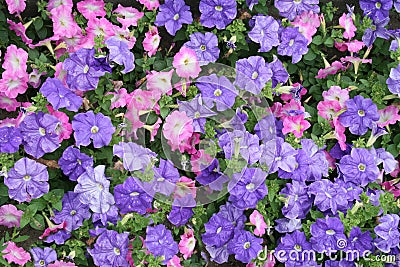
64 128
56 3
15 6
258 221
91 8
335 93
141 99
13 122
177 129
64 24
160 81
355 46
187 243
199 160
339 133
296 125
388 115
347 23
134 122
15 60
153 129
174 262
186 63
12 84
151 41
331 69
61 264
61 74
150 4
99 27
128 16
120 99
9 104
307 22
356 61
328 109
184 187
10 216
20 30
290 108
15 254
125 35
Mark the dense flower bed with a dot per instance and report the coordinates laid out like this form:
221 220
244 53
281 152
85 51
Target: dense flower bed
200 133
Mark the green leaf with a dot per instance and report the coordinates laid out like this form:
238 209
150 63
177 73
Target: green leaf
317 40
38 23
21 238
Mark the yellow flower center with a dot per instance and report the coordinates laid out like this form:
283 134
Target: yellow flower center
218 8
27 177
176 17
218 92
94 129
86 69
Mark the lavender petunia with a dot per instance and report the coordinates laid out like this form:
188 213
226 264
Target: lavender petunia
59 96
298 203
291 245
212 176
252 74
218 13
359 241
120 54
265 32
182 210
135 157
159 242
205 45
165 177
265 128
291 8
377 30
27 180
280 154
59 237
293 44
39 133
376 9
279 72
233 214
329 196
388 235
73 163
172 14
393 82
102 219
241 143
245 246
219 230
97 127
390 164
43 256
285 225
325 234
10 139
218 254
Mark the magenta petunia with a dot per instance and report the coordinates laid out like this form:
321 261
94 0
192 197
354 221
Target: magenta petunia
91 8
15 254
10 216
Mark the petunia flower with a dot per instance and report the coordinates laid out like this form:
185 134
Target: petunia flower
64 24
20 30
330 69
16 6
393 81
298 203
278 155
205 45
120 54
388 235
293 44
376 9
9 104
61 263
265 32
13 84
388 115
245 246
347 23
151 41
252 74
64 128
325 234
135 157
59 96
160 81
328 109
15 60
296 125
187 243
10 139
91 8
290 8
335 93
329 196
173 14
128 16
219 230
15 254
150 4
293 244
43 257
307 23
218 13
356 61
377 30
120 99
177 129
258 221
186 63
159 241
10 216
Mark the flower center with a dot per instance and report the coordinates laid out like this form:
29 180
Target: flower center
176 17
203 48
361 113
330 232
94 129
42 263
291 42
297 247
100 186
27 177
250 186
73 212
117 251
218 8
278 158
86 69
42 131
218 92
160 179
361 167
79 161
219 230
197 115
378 5
254 75
134 194
297 1
246 245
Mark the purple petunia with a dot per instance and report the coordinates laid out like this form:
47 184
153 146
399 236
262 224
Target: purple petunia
326 234
247 188
280 154
102 219
73 212
252 74
393 82
285 225
27 180
218 13
298 203
93 189
165 177
43 256
376 9
388 235
359 167
111 249
135 157
265 32
10 139
329 196
172 14
245 246
73 163
219 230
59 237
83 70
182 210
218 254
265 128
217 89
212 176
130 196
291 8
293 44
377 30
292 245
59 96
38 131
360 114
92 126
159 242
279 72
362 242
205 45
120 54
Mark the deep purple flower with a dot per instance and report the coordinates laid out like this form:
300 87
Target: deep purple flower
212 177
43 256
10 139
340 263
291 247
293 44
111 249
252 74
359 167
359 241
27 180
281 154
247 188
376 9
218 13
388 235
360 114
291 8
130 196
38 131
285 225
233 214
298 203
92 126
245 246
120 54
241 143
301 171
59 237
326 234
196 110
73 163
93 188
182 211
265 32
102 219
205 45
329 196
83 70
59 96
219 230
217 89
279 72
135 157
172 14
73 212
393 82
337 153
377 30
159 242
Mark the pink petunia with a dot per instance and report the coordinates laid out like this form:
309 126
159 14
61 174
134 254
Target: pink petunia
34 78
141 99
10 216
12 84
187 243
184 187
356 61
15 60
340 133
182 86
347 23
258 221
128 16
388 115
120 99
150 4
199 160
296 125
91 8
9 104
99 27
335 93
189 145
292 108
160 81
186 63
355 46
174 262
60 73
20 30
134 122
15 254
327 109
53 228
330 69
61 264
126 36
56 3
64 129
177 129
151 41
307 22
153 129
392 187
64 24
13 122
16 6
330 159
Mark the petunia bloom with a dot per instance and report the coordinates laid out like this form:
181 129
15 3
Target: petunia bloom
91 8
43 257
59 96
15 254
120 54
290 8
393 82
16 6
177 129
265 32
10 139
326 234
159 242
245 246
172 14
388 235
186 63
293 44
10 216
128 16
252 74
258 221
347 23
151 41
187 243
218 13
205 45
